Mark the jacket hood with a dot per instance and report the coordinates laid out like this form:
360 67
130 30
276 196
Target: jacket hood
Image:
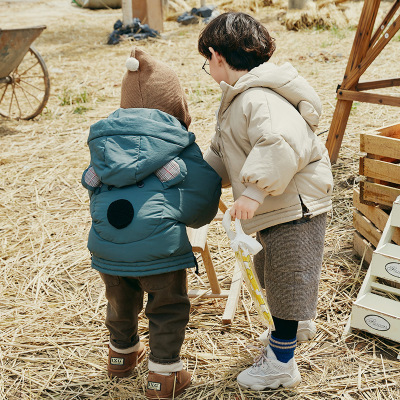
132 143
283 80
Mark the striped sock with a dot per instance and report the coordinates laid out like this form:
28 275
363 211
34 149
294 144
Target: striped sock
283 349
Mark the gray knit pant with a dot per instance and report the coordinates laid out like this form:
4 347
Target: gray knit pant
289 266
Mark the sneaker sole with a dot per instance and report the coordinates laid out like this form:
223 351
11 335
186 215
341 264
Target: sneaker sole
288 383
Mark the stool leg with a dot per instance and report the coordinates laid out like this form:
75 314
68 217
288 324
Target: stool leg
212 276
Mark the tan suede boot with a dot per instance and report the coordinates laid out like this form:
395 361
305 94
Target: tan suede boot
122 365
167 386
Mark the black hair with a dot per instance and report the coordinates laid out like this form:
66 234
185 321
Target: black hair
242 40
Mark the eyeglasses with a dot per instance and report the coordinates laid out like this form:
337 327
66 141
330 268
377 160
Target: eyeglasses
206 67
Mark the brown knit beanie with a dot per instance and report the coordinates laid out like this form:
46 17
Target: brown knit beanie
149 83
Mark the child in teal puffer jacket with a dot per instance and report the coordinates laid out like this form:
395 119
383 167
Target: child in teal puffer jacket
147 181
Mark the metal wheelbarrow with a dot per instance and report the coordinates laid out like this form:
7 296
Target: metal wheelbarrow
24 79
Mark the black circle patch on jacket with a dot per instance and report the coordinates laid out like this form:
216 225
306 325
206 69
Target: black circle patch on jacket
120 213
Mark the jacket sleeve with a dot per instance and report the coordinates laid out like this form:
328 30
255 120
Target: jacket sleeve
215 161
271 162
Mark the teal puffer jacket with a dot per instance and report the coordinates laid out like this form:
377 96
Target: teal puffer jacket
139 221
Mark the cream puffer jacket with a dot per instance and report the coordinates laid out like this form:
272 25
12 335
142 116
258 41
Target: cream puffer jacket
266 148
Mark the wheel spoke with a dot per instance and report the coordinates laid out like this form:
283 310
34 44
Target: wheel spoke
2 97
26 97
23 73
26 91
41 90
16 100
12 96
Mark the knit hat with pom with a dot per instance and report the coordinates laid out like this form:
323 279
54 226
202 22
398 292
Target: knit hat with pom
149 83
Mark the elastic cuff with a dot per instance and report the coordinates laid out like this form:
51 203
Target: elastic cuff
254 192
128 350
165 368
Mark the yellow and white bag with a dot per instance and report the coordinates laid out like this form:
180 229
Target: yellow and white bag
245 246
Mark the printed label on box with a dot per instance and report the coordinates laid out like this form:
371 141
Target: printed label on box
393 269
376 322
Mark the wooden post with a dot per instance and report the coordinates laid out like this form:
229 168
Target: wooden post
127 12
358 51
148 11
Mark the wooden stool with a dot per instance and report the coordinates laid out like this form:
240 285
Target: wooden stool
198 240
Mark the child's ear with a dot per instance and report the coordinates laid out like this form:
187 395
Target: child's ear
215 54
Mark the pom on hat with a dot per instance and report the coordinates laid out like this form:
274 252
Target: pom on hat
132 64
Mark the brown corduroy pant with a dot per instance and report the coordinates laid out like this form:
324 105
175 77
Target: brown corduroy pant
167 309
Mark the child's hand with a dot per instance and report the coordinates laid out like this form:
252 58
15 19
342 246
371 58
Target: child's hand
244 208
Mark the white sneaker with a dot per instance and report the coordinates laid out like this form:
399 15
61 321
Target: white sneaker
268 372
305 331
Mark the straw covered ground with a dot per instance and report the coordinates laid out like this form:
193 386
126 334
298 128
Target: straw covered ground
52 305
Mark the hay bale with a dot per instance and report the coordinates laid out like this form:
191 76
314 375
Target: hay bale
326 16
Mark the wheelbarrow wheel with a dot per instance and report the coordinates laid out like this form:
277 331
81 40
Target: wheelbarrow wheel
27 89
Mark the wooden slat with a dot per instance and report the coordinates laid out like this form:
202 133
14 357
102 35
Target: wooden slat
198 238
390 130
234 293
366 228
362 247
385 288
206 293
382 170
379 84
380 145
376 193
373 98
374 214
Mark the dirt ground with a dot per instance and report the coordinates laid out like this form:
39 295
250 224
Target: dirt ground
52 306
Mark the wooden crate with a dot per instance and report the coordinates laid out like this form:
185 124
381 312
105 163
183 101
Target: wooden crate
381 166
369 222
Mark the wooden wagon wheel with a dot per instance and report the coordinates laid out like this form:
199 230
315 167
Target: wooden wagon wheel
27 88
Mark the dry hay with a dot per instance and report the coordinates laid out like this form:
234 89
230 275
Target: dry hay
52 306
324 14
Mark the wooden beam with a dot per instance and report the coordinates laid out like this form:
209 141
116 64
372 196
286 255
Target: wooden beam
381 27
373 98
371 54
362 37
358 51
379 84
337 128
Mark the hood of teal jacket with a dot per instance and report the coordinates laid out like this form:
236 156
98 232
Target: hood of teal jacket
132 143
